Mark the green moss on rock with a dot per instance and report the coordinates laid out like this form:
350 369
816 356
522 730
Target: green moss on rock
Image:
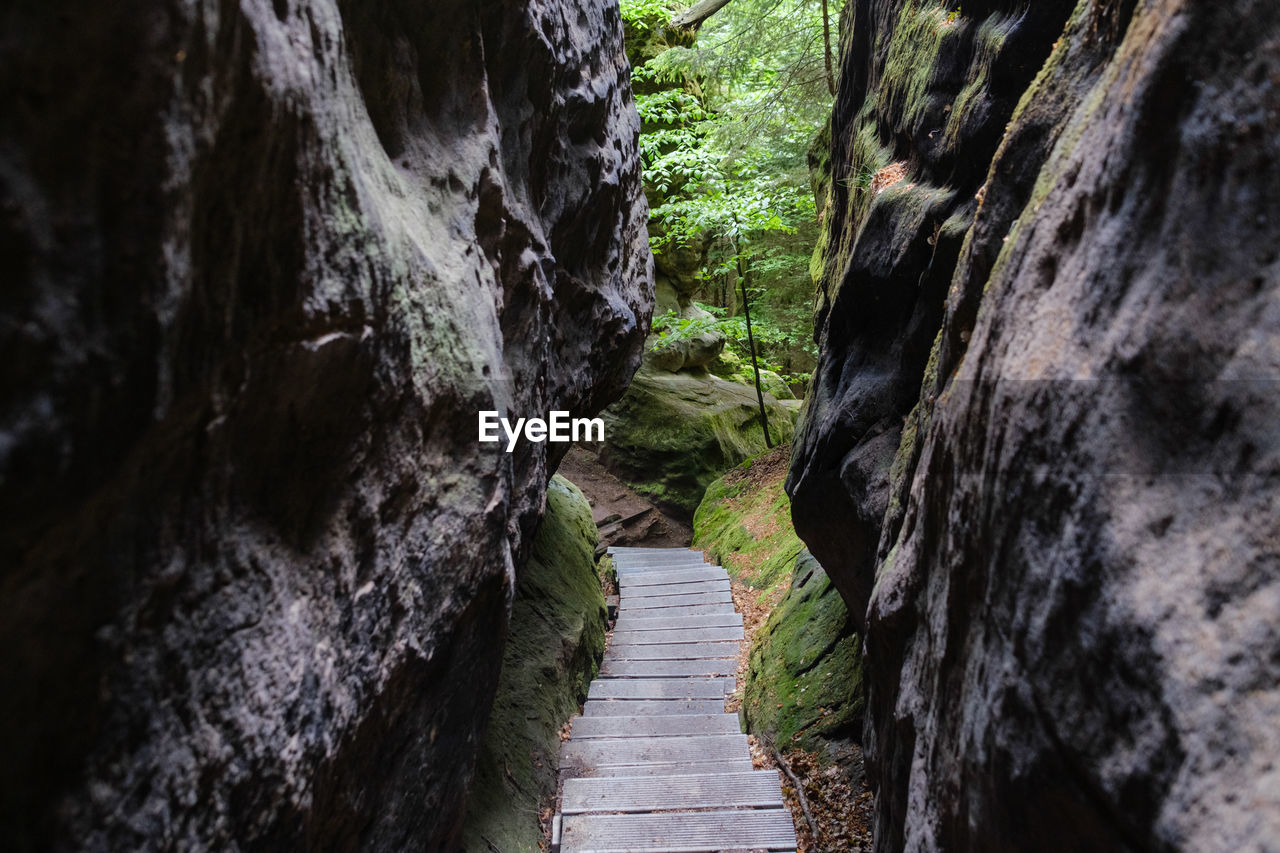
804 682
672 434
555 643
745 525
733 367
913 55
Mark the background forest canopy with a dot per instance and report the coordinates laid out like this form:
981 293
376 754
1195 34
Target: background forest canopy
729 110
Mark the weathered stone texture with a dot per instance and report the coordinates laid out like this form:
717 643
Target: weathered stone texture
264 262
1070 571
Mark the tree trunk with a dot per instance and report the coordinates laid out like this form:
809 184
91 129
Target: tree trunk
751 345
826 44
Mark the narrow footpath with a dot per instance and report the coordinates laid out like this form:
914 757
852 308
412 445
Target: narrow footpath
654 763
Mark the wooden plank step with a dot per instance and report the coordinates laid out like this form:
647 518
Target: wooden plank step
680 832
664 768
676 635
754 789
667 668
710 573
684 610
652 623
651 707
629 604
673 651
646 554
645 549
658 688
605 752
675 725
637 594
634 572
654 554
651 563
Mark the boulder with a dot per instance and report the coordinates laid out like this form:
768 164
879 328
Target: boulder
264 264
803 685
804 676
729 365
673 352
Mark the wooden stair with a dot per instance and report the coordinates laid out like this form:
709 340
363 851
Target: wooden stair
654 763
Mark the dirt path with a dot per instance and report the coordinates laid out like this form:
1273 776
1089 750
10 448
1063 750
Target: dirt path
623 516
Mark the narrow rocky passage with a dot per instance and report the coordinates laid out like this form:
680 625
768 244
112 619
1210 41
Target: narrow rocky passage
264 265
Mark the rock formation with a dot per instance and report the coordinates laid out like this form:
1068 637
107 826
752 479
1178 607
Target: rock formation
555 644
672 434
264 263
803 685
1045 411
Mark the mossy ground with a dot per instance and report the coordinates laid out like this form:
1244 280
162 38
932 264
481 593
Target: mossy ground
745 525
553 651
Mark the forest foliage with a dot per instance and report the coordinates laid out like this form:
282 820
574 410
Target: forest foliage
727 121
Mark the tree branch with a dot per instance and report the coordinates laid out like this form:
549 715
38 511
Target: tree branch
795 780
695 15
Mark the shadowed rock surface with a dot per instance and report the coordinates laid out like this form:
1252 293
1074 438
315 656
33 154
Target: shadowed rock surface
924 98
264 263
1060 521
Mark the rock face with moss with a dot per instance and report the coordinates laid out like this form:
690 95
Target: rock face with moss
803 684
263 264
926 90
553 651
1066 558
672 434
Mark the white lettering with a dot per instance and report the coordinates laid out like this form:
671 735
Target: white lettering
512 434
559 427
488 427
588 425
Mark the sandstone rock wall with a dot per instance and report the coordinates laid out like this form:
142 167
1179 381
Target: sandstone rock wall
924 97
1063 531
264 262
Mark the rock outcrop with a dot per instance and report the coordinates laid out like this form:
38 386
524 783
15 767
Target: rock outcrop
264 262
554 649
804 676
925 94
802 687
1046 410
672 434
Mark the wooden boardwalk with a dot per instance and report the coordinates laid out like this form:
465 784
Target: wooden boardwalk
655 763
